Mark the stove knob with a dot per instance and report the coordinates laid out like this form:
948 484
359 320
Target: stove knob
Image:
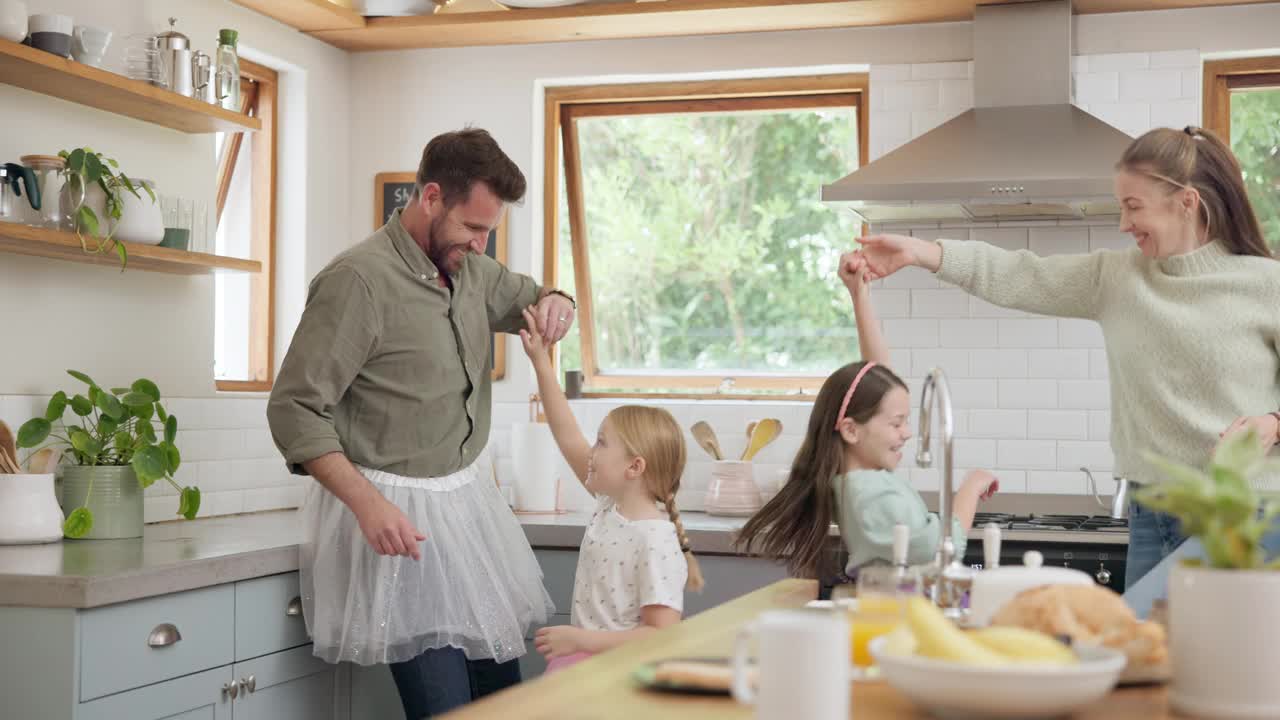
1103 576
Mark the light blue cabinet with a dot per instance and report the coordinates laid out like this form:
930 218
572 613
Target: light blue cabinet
289 685
227 652
203 696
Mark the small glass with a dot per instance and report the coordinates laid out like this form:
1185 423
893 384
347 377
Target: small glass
876 605
200 234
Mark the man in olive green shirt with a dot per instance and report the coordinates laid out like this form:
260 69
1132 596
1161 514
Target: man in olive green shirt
411 557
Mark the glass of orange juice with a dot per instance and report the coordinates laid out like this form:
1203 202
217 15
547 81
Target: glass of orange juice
878 607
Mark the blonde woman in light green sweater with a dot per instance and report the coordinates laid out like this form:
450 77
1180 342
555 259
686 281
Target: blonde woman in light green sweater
1191 316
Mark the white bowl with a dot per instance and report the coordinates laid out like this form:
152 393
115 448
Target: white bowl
953 690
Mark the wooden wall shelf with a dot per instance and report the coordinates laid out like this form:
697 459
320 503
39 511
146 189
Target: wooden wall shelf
308 15
39 242
42 72
482 22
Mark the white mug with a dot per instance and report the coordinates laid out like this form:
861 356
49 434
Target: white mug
90 44
61 24
803 665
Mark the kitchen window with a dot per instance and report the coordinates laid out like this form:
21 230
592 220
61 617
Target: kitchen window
245 213
1242 102
686 219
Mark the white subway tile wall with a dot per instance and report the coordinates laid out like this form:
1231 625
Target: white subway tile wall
1030 393
226 451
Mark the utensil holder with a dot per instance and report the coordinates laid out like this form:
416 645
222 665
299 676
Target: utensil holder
732 491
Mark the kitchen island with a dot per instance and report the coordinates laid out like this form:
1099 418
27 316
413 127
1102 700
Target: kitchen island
602 687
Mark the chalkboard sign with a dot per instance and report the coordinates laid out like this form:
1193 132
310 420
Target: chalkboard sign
392 190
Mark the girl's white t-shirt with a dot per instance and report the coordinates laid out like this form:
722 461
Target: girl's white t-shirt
624 565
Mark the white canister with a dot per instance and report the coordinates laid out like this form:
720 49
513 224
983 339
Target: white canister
535 461
13 20
732 491
29 511
1224 642
803 665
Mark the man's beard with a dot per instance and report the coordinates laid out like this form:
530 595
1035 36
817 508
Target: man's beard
439 253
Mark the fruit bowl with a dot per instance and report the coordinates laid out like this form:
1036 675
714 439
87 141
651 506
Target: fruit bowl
954 689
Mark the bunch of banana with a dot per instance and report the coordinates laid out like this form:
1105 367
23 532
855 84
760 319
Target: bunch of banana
934 636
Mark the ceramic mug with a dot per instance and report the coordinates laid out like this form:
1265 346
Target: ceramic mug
90 45
13 20
51 33
803 665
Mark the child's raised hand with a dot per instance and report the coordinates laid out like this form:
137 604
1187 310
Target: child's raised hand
853 272
983 483
534 344
557 641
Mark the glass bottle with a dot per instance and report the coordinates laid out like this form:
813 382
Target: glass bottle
228 72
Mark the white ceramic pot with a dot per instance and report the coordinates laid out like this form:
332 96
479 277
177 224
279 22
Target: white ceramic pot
732 490
29 511
1224 642
140 219
13 20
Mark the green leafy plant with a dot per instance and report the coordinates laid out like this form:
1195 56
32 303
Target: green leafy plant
1219 505
85 168
123 426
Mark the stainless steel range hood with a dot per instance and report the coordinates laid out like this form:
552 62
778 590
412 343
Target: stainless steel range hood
1024 152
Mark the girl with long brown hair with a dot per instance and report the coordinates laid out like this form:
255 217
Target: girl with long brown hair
844 470
635 560
1189 315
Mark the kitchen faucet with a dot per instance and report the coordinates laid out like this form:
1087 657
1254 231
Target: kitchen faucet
947 579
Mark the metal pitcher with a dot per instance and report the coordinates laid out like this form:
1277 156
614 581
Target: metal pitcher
1119 501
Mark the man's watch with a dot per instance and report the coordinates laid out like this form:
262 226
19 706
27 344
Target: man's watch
569 297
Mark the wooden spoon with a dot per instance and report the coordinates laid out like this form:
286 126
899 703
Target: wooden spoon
44 460
706 437
8 450
764 433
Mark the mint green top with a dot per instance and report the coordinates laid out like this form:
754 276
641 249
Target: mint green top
870 502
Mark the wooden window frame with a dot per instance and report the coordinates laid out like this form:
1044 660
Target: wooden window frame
563 105
261 101
1223 76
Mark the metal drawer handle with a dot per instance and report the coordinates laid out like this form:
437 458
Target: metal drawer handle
230 690
163 635
295 607
248 684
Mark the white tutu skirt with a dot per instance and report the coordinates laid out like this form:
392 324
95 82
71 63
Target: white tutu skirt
477 587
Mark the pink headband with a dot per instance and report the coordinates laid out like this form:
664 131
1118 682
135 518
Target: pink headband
849 395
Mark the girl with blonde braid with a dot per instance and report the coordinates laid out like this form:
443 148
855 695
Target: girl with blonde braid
635 560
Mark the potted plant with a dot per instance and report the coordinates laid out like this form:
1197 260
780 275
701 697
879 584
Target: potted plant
93 185
1224 634
120 440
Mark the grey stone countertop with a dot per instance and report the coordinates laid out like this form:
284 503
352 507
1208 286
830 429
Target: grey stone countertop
184 555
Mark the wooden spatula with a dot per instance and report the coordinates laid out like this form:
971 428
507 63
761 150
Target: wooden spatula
762 434
44 460
8 450
706 438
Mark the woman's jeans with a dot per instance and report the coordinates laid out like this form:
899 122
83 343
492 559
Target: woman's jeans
1156 544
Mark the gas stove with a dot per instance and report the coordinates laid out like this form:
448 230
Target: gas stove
1056 523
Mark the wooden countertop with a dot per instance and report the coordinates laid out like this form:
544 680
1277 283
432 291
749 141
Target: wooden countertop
601 687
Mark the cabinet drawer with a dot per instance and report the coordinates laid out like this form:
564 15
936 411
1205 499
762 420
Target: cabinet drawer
268 616
138 643
194 696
